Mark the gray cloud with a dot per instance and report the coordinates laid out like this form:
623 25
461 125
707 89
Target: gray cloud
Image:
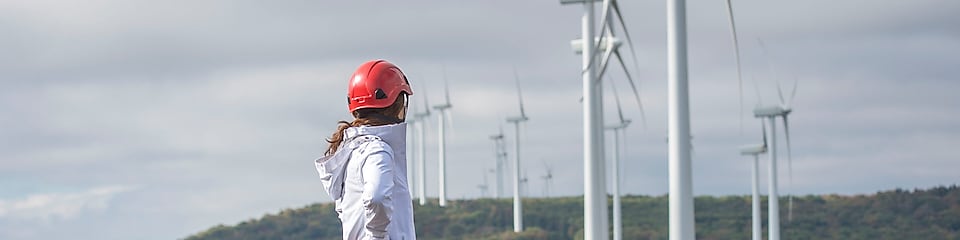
215 110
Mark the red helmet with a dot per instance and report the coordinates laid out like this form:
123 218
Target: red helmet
376 84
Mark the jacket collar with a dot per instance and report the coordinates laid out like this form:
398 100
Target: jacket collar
394 134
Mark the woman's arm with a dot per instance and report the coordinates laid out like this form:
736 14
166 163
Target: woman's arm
378 176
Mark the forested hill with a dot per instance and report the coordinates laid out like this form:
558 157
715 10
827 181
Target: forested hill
897 214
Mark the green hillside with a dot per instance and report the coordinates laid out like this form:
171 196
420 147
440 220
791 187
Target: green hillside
898 214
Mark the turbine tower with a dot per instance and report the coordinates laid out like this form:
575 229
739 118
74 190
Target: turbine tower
595 197
501 158
412 151
517 205
678 124
421 119
443 117
755 150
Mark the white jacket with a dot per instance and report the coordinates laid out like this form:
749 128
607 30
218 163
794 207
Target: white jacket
367 178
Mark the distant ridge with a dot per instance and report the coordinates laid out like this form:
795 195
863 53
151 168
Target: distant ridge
896 214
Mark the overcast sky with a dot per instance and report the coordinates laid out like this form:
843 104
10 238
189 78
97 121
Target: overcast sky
159 119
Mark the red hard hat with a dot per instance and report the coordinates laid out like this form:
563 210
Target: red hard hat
376 84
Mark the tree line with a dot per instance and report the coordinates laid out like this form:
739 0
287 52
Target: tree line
896 214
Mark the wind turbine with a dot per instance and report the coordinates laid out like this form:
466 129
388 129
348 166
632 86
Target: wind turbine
421 119
523 183
595 197
501 158
619 131
546 179
412 121
443 117
770 113
483 187
755 150
517 204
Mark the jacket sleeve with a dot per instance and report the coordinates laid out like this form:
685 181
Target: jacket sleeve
378 175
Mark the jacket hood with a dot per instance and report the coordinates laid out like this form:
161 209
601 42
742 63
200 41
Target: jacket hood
331 167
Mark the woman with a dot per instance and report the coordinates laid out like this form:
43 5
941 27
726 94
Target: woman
364 168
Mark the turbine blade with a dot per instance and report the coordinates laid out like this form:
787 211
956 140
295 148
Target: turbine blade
516 78
786 134
616 97
764 129
426 103
763 48
633 52
411 111
793 93
611 47
736 48
446 85
780 93
633 86
449 122
626 33
604 62
604 22
756 89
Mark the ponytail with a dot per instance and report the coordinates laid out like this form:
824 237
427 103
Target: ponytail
368 117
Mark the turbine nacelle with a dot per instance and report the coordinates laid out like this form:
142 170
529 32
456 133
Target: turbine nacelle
771 111
753 149
603 42
565 2
623 124
517 119
421 115
442 107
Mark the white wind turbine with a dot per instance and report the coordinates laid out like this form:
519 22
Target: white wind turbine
483 187
755 150
547 179
412 150
443 117
501 157
524 182
770 113
517 204
421 120
619 131
595 204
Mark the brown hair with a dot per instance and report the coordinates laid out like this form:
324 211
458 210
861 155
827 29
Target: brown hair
393 114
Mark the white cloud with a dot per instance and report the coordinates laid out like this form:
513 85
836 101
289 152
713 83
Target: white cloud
46 207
